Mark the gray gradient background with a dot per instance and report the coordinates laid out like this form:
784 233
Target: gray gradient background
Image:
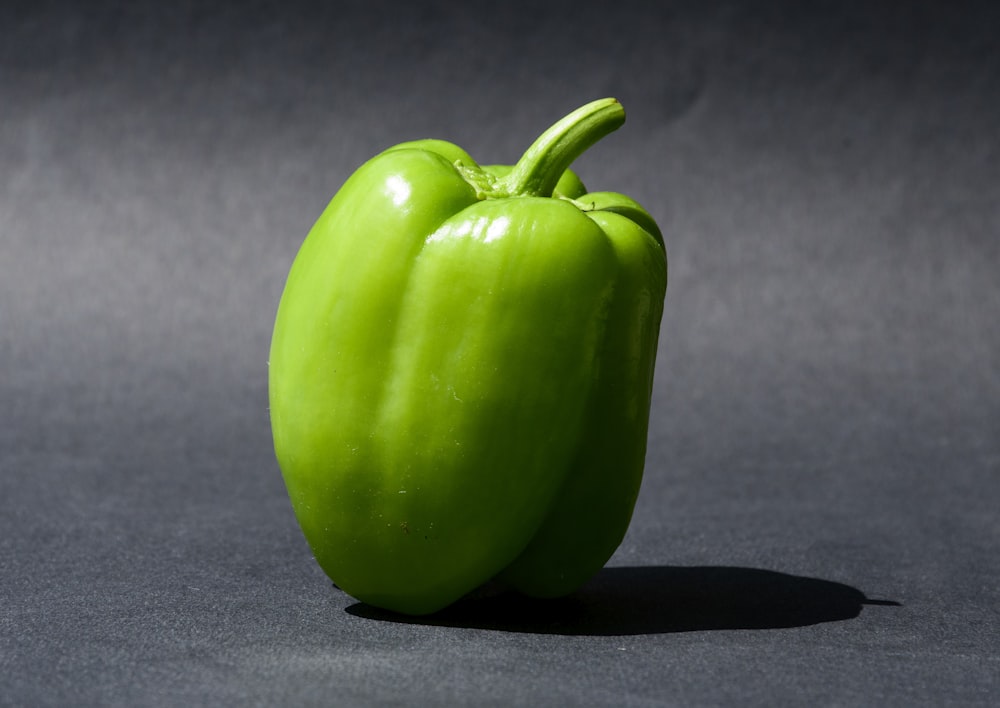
819 521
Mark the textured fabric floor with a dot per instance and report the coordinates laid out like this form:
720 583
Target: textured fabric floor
818 522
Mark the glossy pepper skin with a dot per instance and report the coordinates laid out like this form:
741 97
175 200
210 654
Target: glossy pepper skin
461 371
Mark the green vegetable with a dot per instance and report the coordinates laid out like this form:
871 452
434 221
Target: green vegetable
461 371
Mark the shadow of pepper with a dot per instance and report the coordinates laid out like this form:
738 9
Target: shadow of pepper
654 600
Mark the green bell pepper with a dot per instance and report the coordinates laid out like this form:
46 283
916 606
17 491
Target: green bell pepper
461 371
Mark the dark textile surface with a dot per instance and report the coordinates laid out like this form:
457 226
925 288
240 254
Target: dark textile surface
820 517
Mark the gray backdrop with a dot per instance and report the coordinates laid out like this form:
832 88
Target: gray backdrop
819 519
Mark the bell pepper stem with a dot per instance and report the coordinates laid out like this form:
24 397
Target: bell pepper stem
542 164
